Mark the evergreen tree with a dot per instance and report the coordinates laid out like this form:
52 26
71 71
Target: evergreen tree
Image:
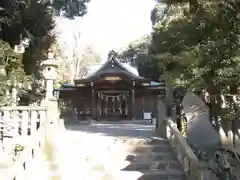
197 41
31 19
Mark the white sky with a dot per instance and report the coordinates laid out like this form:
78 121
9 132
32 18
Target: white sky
111 24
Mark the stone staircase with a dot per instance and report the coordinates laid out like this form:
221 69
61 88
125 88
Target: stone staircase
95 157
154 158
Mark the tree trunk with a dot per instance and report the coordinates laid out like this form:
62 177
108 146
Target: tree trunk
193 6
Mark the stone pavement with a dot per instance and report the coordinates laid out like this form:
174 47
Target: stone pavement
114 151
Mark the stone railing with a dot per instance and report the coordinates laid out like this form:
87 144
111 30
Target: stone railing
33 124
190 163
24 120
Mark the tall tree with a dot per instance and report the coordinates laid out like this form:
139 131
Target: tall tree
71 51
89 58
70 8
201 48
137 54
62 69
34 20
31 19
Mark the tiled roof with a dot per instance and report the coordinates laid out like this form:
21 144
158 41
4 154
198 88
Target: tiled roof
97 67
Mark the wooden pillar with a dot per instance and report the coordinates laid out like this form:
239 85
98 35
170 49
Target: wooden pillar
93 101
149 109
100 105
120 105
114 104
133 101
144 101
106 106
126 106
97 109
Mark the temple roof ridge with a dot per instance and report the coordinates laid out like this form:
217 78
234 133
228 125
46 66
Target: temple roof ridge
95 68
130 68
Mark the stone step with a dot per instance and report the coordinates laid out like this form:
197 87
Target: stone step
94 157
97 163
151 156
136 175
123 174
163 176
144 141
137 165
154 165
148 149
109 174
86 139
160 161
122 149
128 156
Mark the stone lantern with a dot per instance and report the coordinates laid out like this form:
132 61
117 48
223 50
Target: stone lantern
50 74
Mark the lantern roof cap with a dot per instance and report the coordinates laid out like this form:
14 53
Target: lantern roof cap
50 62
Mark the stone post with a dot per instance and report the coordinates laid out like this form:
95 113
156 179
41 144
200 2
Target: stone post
161 116
169 92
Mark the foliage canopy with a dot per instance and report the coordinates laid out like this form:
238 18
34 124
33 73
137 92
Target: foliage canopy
198 42
34 20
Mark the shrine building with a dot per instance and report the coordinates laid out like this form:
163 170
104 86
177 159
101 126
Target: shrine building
113 90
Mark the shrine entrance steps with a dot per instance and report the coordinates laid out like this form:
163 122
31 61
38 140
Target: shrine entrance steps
115 151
